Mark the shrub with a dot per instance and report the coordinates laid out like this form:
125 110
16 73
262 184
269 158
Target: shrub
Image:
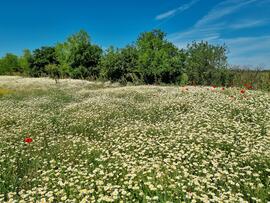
53 71
184 79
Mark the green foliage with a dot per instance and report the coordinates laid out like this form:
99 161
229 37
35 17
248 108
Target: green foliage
119 64
78 53
158 59
183 79
206 63
24 61
40 59
53 71
151 59
9 65
80 73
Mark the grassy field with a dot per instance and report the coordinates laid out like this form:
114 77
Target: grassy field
96 142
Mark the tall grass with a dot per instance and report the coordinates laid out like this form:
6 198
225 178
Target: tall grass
258 79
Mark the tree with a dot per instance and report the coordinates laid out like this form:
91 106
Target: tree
111 65
206 64
119 64
158 59
40 59
24 61
77 52
9 64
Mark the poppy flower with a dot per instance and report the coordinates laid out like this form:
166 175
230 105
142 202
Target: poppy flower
28 140
242 91
222 88
214 86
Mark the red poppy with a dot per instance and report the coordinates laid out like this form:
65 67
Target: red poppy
214 86
223 88
28 140
242 91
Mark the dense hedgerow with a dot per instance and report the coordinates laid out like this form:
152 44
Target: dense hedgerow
151 59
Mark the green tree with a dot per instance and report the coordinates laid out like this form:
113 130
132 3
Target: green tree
62 54
24 61
206 64
40 59
119 64
158 59
78 53
110 65
9 64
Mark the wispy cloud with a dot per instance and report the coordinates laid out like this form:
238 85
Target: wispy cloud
251 51
249 23
175 11
242 50
210 24
223 9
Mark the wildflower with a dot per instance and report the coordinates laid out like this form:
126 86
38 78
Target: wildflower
248 86
28 140
242 91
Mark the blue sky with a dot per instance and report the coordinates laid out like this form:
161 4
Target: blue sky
243 25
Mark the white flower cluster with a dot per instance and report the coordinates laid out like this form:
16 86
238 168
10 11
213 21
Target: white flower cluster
102 143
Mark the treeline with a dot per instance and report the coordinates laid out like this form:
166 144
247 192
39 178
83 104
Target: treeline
151 59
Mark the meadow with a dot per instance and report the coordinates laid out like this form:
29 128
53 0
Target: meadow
81 141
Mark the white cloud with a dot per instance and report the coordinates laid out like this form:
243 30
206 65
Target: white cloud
248 23
200 33
242 50
223 9
166 15
176 10
249 50
209 26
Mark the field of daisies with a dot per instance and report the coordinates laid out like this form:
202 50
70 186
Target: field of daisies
81 141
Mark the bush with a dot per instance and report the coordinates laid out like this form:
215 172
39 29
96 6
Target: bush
53 71
79 73
183 79
119 64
